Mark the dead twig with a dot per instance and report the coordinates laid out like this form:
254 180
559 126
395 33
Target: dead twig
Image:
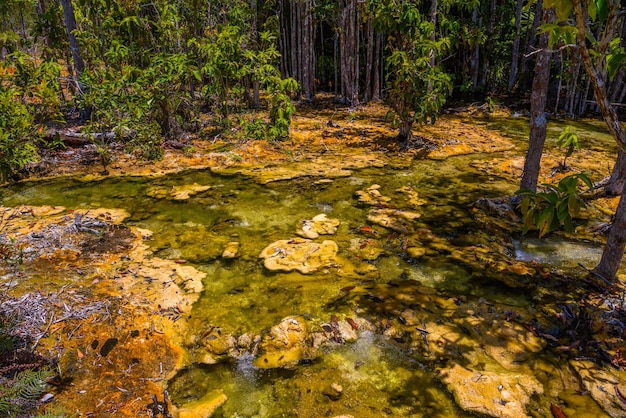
44 333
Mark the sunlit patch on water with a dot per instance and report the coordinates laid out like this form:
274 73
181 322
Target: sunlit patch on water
556 252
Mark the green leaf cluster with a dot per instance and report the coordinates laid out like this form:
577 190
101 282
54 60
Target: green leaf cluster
17 133
20 393
554 208
417 89
568 139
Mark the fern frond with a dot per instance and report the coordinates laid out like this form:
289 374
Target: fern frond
30 384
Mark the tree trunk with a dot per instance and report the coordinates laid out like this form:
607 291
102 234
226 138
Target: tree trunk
378 64
475 57
349 52
307 59
572 88
484 70
559 89
614 248
70 27
616 240
404 133
538 121
530 46
256 101
79 65
516 43
369 59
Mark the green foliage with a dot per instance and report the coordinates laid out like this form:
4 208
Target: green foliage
281 107
20 393
17 134
416 89
568 139
36 84
554 208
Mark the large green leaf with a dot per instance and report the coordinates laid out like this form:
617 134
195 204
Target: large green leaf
614 63
603 9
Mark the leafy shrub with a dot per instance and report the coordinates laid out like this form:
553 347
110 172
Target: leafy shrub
568 140
17 134
554 208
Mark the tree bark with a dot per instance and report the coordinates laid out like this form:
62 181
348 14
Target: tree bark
530 46
70 27
538 121
616 240
516 43
369 59
377 67
349 52
79 64
475 57
307 58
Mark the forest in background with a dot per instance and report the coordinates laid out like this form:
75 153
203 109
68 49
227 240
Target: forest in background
145 70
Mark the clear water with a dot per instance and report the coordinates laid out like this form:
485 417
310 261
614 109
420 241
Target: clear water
241 296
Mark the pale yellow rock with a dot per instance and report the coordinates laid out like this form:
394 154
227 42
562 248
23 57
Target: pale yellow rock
204 407
284 345
372 196
231 250
503 395
416 252
183 192
319 225
366 249
601 384
414 200
396 219
299 254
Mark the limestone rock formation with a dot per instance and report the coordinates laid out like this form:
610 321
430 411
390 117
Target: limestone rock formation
299 254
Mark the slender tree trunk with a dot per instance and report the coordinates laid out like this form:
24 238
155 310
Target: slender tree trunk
516 43
572 87
349 52
377 67
433 36
538 121
369 59
256 100
616 240
307 59
79 65
293 47
582 106
484 71
530 46
70 27
337 67
615 243
560 86
475 57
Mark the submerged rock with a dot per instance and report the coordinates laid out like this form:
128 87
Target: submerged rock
372 196
299 254
396 219
284 345
606 386
366 249
413 197
319 225
205 406
231 250
183 192
503 394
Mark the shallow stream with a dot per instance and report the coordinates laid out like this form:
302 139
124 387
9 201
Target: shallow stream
380 375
